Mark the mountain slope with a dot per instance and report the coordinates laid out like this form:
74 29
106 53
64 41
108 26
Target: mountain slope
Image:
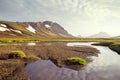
45 29
79 36
100 35
117 37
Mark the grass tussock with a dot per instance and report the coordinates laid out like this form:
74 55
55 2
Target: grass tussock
32 56
21 54
18 53
77 60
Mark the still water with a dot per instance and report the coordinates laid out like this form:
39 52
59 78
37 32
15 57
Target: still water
104 67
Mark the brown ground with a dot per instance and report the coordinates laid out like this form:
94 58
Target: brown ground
11 69
57 54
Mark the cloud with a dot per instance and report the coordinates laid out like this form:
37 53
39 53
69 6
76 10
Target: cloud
90 8
69 13
11 6
87 9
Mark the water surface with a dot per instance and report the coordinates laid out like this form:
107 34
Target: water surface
104 67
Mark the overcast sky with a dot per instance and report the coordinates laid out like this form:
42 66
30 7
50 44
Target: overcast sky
78 17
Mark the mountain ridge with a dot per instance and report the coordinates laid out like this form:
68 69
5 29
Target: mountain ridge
46 29
100 35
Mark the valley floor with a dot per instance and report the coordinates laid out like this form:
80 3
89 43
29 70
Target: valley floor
13 69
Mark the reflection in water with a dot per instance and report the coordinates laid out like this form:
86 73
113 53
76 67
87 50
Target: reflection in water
46 70
80 44
104 67
31 44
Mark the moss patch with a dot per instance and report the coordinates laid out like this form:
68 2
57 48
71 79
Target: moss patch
77 60
18 53
32 56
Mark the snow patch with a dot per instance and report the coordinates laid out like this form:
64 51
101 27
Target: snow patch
16 31
47 26
3 25
4 29
30 28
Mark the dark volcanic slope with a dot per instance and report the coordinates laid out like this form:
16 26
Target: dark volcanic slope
56 28
45 29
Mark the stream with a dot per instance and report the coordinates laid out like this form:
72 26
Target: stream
104 67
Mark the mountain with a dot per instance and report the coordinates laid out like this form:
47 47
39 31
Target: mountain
79 36
117 37
100 35
46 29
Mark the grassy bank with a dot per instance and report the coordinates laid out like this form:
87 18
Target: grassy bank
112 43
57 54
115 46
12 65
22 40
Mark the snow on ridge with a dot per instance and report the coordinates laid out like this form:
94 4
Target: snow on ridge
47 26
4 29
31 29
3 25
16 31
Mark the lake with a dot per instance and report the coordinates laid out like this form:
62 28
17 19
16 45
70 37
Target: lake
104 67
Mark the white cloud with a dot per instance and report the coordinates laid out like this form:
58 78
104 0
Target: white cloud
77 16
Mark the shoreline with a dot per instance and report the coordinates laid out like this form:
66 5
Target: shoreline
111 45
57 54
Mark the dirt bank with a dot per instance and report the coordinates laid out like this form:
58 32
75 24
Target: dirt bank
57 54
12 69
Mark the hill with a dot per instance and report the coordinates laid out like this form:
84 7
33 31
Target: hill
100 35
46 29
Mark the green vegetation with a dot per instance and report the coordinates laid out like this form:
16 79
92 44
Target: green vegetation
23 40
103 43
32 56
18 53
112 43
115 46
21 54
77 60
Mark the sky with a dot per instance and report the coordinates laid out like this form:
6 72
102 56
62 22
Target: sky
78 17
